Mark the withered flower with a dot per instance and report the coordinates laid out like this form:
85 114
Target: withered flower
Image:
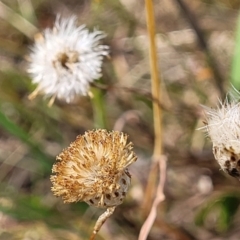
223 127
94 169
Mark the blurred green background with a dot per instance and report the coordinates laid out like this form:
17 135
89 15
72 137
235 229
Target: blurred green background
197 63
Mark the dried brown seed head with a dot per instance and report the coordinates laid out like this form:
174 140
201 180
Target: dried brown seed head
94 169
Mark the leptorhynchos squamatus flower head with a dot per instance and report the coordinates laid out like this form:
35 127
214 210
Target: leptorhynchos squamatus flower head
223 127
66 59
94 169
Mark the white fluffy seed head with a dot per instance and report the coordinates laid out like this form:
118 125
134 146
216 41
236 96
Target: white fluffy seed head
223 127
66 59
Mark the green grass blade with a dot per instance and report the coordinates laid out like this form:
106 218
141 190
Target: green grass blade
18 132
235 71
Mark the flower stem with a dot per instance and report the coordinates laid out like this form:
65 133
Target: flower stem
157 114
98 108
101 220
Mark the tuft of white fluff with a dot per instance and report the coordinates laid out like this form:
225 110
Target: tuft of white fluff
66 59
223 127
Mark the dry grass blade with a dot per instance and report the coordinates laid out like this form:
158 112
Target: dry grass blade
159 198
17 21
157 113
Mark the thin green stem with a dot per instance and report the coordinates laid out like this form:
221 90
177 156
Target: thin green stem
235 71
99 111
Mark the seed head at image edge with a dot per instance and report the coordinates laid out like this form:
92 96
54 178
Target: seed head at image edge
223 127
